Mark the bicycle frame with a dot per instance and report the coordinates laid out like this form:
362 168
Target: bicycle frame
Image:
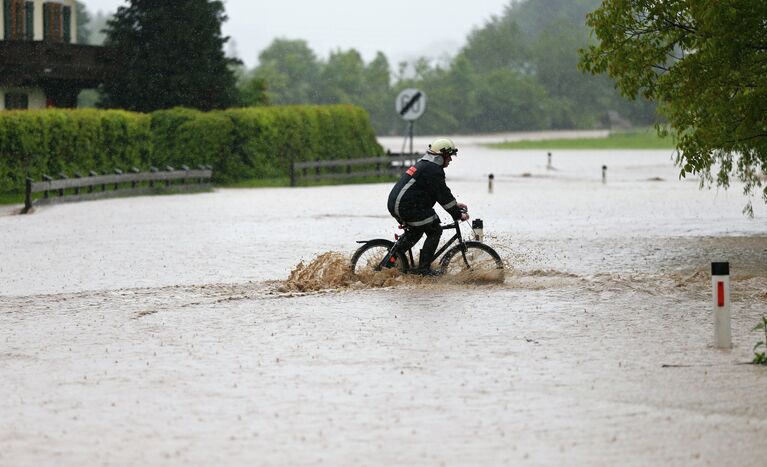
438 253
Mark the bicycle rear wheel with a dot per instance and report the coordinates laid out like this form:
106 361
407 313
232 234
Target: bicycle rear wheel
368 257
482 263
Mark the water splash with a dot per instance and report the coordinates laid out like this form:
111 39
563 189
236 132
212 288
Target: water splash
332 271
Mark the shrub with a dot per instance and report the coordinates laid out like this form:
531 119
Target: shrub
248 143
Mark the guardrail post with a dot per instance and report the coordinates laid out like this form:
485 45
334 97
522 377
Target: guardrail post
134 183
47 178
91 173
292 173
28 196
117 184
77 188
62 176
185 168
152 169
169 169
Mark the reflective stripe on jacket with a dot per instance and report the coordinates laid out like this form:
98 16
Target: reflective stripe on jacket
421 186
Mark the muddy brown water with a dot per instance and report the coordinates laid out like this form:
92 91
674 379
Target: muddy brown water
225 328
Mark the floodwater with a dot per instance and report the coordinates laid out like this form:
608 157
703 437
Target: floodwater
224 328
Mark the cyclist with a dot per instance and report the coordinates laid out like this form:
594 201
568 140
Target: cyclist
412 200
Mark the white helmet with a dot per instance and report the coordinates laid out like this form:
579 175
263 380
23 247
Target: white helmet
443 147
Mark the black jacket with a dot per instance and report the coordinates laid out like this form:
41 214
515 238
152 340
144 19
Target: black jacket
421 186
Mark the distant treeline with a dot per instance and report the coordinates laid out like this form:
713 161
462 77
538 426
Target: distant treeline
240 144
517 72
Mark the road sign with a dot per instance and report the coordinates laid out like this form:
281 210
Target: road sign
411 104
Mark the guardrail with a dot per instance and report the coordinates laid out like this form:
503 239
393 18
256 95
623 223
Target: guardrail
389 166
100 186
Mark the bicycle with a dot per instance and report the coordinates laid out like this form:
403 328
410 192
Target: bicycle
474 256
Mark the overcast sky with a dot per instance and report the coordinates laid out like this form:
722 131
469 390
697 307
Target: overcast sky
401 29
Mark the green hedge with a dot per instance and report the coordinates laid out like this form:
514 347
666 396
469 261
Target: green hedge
240 144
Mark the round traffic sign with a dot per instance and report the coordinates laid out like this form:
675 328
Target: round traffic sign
410 104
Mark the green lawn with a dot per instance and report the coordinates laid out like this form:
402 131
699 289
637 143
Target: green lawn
638 139
11 198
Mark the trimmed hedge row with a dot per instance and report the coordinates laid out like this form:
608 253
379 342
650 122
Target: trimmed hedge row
240 144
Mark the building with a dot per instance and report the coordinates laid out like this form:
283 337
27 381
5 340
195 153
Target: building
41 64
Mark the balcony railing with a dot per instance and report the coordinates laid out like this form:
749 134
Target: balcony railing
27 63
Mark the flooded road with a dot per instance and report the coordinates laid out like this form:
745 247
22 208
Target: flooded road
166 331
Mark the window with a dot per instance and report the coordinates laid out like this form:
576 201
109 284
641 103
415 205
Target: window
52 22
15 19
16 100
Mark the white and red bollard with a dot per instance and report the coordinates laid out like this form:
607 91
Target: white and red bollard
720 285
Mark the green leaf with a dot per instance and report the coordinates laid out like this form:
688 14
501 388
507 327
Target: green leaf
711 98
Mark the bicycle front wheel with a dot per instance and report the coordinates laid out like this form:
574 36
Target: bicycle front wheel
480 263
368 257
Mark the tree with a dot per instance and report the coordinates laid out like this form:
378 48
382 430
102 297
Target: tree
377 95
83 19
97 28
253 92
170 54
705 63
540 39
498 44
290 70
342 78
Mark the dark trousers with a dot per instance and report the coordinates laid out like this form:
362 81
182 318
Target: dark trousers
433 232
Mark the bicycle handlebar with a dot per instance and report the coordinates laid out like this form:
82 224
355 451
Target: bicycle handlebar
449 226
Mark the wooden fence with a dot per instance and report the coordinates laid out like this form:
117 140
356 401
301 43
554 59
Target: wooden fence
386 166
99 186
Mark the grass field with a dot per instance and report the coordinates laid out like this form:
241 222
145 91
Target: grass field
637 139
11 198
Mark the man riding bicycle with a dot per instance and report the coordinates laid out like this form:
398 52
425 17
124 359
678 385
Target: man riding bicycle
412 200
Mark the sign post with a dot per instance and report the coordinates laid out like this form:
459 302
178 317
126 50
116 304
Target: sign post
410 105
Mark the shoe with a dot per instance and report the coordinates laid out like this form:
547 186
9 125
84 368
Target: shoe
427 272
